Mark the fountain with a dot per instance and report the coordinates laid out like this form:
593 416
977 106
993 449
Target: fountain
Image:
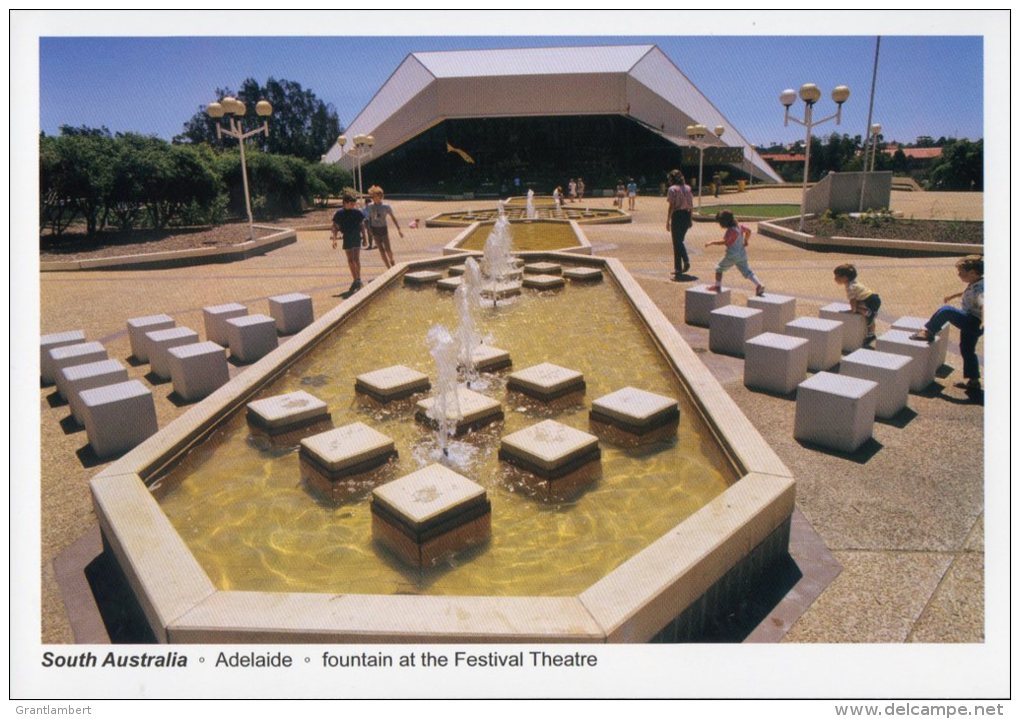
530 211
445 410
254 557
499 261
467 297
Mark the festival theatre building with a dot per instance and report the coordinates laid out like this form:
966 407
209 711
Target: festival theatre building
497 122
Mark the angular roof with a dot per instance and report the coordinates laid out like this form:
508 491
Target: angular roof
638 81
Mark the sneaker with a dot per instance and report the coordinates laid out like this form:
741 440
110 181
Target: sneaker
868 339
713 288
760 291
922 336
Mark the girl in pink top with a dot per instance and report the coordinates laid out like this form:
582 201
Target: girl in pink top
735 240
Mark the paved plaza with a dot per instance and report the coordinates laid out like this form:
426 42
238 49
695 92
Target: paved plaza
898 527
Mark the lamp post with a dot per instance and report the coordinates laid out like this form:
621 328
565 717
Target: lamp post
362 147
695 133
234 110
810 94
875 130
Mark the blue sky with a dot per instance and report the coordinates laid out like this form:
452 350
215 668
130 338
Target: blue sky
927 85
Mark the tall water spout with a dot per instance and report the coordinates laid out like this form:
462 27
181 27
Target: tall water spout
530 212
445 410
497 254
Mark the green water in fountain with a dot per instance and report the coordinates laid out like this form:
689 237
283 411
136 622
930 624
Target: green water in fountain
242 509
527 237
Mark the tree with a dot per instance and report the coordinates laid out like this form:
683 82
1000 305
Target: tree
301 125
960 167
328 180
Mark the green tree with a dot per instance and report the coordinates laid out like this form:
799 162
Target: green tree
328 180
960 167
77 174
301 125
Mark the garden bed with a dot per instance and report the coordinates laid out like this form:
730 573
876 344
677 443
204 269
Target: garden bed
942 231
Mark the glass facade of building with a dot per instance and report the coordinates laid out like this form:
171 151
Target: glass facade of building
502 156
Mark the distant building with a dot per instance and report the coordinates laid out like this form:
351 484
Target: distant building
920 154
474 120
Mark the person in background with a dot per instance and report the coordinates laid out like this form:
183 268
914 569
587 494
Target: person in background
580 189
679 205
631 193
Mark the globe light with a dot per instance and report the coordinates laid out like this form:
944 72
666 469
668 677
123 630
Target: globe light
810 93
788 97
719 130
840 94
341 140
229 105
214 110
263 108
876 129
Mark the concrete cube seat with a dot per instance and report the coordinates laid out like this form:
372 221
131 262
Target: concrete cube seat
251 337
546 381
71 355
892 372
449 283
430 514
635 410
925 356
292 312
775 363
835 411
916 324
215 318
730 327
138 327
699 303
159 344
331 460
78 378
500 290
197 369
777 310
118 417
825 340
855 326
286 412
490 359
52 341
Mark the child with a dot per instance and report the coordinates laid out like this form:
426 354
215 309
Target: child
968 318
350 223
863 301
377 214
735 240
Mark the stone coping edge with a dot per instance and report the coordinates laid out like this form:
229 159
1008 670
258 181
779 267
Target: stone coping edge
179 258
630 604
867 245
583 246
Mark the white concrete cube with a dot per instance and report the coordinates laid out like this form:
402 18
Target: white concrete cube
198 369
635 410
777 310
500 290
52 341
137 329
81 377
449 283
925 356
835 411
729 327
292 312
775 363
916 324
471 410
855 326
71 355
549 448
347 450
159 344
699 303
892 372
825 340
490 359
456 270
215 318
118 417
251 337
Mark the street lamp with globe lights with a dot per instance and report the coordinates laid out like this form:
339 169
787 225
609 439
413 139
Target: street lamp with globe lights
362 147
695 133
810 94
233 109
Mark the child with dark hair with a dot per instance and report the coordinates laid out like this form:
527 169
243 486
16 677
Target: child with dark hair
735 240
863 300
349 222
968 318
